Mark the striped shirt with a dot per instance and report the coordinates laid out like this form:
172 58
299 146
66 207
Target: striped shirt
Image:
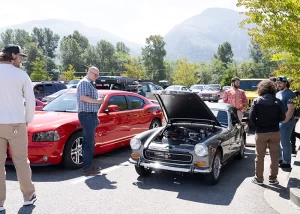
85 87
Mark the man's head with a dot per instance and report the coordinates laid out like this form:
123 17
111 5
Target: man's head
12 54
139 87
235 82
93 73
281 83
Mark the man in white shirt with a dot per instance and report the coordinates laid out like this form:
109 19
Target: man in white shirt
15 89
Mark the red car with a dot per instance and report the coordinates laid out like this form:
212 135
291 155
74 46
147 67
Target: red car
55 135
39 105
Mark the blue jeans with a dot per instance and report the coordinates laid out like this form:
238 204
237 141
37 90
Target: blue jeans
89 123
286 129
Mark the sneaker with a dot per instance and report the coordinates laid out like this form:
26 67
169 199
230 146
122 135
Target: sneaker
256 181
92 171
2 209
31 202
285 165
280 161
273 181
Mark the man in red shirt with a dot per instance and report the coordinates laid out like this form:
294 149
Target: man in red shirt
236 97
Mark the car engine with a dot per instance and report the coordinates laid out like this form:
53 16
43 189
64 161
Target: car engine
185 135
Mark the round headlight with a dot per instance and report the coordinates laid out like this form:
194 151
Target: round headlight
201 150
135 143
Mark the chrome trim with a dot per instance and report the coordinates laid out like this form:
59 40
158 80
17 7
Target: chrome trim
168 153
189 168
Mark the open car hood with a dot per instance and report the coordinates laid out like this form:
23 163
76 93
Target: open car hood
187 106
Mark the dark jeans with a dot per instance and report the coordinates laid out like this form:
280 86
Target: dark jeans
293 137
89 123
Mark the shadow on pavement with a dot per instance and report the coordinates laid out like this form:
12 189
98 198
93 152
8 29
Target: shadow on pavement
100 182
58 173
193 187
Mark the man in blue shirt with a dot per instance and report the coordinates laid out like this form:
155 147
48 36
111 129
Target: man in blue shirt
88 107
286 126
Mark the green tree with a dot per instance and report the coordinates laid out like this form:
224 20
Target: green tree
121 47
185 74
91 57
255 52
82 41
106 51
7 37
69 74
33 52
224 53
39 73
134 69
153 55
204 73
119 61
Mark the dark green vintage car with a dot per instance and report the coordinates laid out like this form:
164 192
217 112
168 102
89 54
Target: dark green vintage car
198 137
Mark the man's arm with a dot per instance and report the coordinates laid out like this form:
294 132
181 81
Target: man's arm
291 107
225 97
83 90
282 112
253 113
88 99
29 100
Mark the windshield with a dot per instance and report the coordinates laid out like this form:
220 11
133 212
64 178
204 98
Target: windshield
64 103
73 82
249 85
212 87
56 94
221 116
199 87
176 88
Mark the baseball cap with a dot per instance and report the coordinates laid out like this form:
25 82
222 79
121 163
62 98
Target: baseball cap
139 85
281 79
16 49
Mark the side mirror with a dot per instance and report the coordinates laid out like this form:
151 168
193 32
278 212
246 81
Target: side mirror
112 108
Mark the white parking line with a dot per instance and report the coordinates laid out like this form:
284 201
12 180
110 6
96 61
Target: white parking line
84 178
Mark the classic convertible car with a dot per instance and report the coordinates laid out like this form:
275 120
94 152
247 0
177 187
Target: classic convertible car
198 137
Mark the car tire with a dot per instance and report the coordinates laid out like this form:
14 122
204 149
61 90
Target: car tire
155 123
240 155
213 177
142 171
73 145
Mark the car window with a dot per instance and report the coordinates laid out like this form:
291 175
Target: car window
145 88
221 116
39 89
50 88
120 101
152 87
65 102
61 86
136 102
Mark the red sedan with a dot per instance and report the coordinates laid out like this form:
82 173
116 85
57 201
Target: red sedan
55 135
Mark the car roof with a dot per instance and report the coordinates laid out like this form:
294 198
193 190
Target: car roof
223 106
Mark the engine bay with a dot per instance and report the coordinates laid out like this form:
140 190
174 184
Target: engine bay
176 135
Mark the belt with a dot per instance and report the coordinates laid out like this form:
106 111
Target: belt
88 113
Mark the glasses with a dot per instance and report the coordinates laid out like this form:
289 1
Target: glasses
95 74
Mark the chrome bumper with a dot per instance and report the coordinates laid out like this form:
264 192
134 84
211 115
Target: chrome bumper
189 168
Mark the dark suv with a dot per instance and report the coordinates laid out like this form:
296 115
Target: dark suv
116 83
45 88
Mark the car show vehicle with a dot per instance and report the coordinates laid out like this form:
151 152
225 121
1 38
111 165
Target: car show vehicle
211 92
55 134
198 138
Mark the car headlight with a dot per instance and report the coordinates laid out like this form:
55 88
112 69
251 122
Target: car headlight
135 143
50 136
201 150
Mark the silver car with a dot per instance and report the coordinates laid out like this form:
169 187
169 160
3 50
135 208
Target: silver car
198 137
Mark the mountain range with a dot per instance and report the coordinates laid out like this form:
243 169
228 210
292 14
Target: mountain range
196 38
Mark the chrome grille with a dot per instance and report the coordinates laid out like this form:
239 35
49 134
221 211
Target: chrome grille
168 157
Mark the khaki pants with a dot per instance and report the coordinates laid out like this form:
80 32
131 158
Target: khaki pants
240 115
16 136
272 140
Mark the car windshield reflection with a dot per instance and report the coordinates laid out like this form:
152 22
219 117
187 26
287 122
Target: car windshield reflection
221 117
64 103
249 85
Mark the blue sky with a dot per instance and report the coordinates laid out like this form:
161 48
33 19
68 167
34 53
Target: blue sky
133 20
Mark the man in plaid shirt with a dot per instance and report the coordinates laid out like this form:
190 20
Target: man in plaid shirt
88 107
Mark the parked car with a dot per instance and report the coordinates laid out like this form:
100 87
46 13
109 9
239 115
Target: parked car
196 88
116 83
39 105
149 88
45 88
177 88
226 88
211 92
72 84
51 97
55 135
198 138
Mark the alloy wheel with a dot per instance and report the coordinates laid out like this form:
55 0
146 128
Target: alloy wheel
217 167
76 151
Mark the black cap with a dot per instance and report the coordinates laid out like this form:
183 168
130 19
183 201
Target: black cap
281 79
16 49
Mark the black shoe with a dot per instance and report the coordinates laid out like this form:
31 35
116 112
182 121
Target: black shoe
280 161
294 151
31 201
285 165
